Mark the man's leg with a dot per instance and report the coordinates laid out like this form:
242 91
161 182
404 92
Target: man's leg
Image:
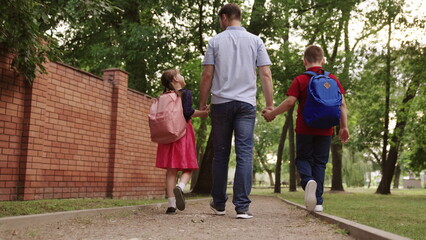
320 155
245 116
222 128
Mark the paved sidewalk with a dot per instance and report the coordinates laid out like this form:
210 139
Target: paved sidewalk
273 219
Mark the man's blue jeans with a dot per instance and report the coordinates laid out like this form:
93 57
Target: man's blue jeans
228 118
311 160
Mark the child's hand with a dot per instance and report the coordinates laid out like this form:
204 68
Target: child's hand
344 135
204 113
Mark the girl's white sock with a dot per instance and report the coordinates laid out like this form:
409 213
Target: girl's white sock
172 202
182 185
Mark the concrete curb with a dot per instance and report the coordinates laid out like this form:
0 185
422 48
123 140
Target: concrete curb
356 230
19 222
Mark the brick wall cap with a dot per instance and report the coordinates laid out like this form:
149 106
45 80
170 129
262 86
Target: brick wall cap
114 69
79 70
140 93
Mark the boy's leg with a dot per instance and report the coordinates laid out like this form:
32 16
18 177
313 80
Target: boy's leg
222 129
321 154
304 160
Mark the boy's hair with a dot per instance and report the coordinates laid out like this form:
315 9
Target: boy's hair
313 54
167 79
231 10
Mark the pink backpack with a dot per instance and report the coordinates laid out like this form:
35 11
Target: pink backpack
166 121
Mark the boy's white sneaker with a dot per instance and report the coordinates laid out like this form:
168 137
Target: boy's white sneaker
318 208
310 197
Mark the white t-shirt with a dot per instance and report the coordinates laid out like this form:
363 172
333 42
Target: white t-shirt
235 54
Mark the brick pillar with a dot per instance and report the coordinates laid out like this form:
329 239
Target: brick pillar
33 154
12 94
119 80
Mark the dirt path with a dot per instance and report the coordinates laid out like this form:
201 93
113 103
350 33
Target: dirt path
273 219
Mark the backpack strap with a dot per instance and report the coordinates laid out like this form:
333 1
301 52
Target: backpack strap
315 74
311 73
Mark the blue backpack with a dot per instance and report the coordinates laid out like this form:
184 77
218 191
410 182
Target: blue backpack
322 107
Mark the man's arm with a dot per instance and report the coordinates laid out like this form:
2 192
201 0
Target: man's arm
205 85
268 92
344 131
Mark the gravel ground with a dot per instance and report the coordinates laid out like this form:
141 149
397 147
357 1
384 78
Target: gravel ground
273 219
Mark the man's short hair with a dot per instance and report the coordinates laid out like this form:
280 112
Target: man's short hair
231 10
313 54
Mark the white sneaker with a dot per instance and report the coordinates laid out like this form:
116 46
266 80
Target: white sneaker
217 211
310 198
244 215
318 208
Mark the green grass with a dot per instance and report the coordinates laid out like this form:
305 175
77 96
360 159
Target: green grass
17 208
403 212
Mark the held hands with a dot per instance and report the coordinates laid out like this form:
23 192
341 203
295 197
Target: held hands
267 114
204 111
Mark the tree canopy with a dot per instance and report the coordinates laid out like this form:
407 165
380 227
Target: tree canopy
375 47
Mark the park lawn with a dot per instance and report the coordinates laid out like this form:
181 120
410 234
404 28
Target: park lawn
17 208
403 212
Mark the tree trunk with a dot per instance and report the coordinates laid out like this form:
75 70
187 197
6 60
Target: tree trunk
277 188
257 22
397 176
204 181
336 153
271 178
200 27
387 98
201 136
336 145
292 150
369 180
398 133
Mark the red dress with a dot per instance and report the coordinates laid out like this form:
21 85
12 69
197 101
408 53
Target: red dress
180 154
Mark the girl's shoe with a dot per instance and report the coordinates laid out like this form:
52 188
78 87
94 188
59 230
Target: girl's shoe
180 200
171 210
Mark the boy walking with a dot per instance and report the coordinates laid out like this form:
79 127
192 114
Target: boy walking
312 144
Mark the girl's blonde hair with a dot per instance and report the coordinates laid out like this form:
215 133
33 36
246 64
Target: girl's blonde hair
167 79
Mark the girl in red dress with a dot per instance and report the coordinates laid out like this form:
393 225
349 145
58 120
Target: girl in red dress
181 154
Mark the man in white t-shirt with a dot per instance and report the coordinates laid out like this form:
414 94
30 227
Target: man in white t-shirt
229 74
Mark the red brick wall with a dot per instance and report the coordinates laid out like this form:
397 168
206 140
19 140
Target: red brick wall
12 101
72 134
